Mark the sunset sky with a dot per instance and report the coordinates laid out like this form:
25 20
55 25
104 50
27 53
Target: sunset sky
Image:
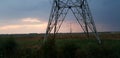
31 16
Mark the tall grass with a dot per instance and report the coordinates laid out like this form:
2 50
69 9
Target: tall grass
61 48
49 49
73 49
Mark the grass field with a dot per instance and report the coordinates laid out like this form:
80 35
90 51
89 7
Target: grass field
67 46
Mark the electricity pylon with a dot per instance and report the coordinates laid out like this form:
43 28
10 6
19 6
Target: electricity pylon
81 12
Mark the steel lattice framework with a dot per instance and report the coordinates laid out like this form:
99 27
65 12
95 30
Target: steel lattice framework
80 10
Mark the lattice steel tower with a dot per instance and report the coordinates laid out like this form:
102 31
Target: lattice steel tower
80 10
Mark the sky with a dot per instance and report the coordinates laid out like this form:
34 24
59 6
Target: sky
31 16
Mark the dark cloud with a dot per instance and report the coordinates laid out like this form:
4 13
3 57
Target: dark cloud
105 12
23 8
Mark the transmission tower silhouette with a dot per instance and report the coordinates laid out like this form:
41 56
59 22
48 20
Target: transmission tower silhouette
80 10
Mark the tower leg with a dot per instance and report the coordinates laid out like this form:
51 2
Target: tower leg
80 10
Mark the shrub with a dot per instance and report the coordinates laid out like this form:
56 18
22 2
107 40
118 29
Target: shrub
48 49
8 47
69 50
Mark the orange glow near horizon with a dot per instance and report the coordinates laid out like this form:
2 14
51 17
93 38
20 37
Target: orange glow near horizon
35 25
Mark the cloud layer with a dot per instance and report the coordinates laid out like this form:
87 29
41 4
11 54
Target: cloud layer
30 20
34 25
26 25
25 16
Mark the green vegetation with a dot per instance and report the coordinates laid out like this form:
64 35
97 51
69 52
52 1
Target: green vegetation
7 47
15 47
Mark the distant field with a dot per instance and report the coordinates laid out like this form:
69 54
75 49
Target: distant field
102 35
29 40
32 40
